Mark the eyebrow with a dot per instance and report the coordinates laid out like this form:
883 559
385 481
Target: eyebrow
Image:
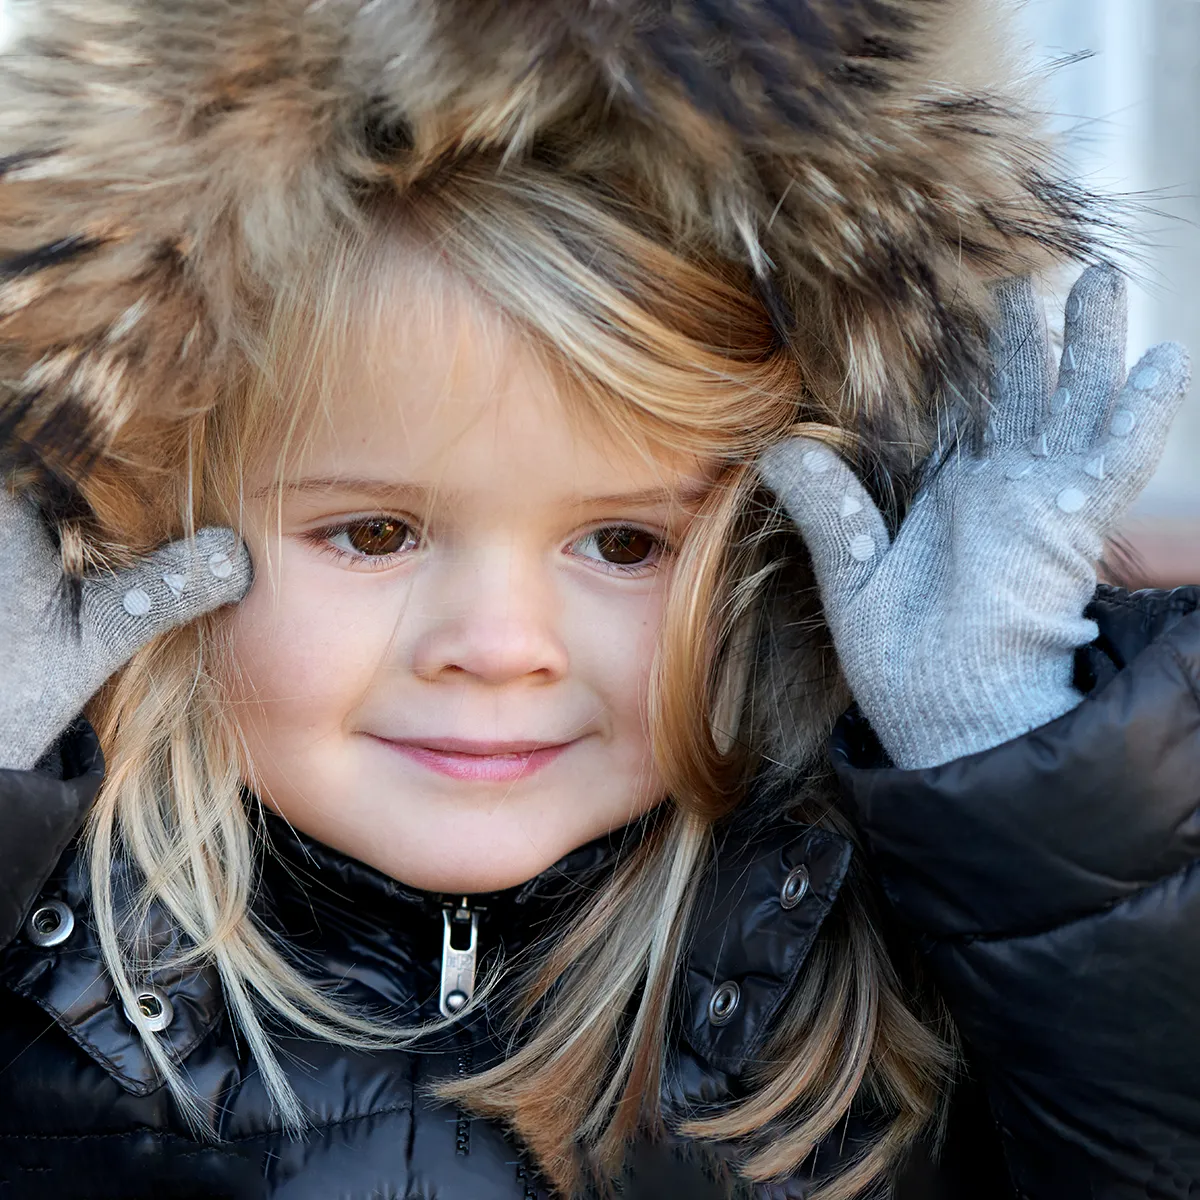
688 495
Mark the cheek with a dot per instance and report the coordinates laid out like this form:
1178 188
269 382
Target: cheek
612 643
305 645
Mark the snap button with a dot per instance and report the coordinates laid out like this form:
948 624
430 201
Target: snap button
155 1009
50 924
795 887
724 1002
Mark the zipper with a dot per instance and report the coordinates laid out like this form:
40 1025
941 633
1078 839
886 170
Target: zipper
460 924
462 1119
460 948
525 1178
460 951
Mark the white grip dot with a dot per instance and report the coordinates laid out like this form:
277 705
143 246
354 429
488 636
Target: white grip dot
1123 422
862 547
136 602
851 504
219 565
1144 378
1071 500
175 582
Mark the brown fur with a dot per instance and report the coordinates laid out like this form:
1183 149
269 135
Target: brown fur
163 163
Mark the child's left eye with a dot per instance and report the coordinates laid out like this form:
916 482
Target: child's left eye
621 547
372 537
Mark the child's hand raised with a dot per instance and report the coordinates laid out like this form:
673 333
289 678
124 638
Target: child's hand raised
960 635
49 665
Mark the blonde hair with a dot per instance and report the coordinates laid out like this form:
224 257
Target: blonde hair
674 350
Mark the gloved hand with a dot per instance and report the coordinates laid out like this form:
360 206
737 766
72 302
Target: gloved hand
49 669
961 634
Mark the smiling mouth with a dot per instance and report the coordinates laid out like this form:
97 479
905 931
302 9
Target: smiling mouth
483 762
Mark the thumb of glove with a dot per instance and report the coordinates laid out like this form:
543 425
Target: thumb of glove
171 587
844 532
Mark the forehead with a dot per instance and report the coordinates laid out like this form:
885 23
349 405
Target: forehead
436 387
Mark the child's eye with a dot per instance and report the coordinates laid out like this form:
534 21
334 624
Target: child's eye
621 547
372 537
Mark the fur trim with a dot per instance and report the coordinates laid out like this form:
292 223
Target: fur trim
161 163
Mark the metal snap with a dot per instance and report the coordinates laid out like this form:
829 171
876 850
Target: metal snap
154 1008
795 887
50 924
724 1002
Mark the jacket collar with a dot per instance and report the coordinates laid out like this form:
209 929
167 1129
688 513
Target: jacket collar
70 983
314 864
771 886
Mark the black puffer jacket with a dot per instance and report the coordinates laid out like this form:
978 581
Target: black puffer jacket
1053 884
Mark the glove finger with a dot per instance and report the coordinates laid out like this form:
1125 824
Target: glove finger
845 534
1021 353
1093 361
171 587
1120 464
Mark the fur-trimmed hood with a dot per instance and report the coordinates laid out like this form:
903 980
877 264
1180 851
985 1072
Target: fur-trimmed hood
161 162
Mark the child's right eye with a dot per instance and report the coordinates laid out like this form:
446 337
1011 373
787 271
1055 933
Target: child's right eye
372 537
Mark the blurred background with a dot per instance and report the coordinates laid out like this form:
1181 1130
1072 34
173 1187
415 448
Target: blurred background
1120 83
1127 120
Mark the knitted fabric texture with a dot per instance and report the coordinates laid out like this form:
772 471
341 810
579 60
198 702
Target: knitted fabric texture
52 664
960 634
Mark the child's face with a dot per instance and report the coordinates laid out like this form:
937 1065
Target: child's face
443 663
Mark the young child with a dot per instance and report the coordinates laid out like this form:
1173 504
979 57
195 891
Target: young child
604 399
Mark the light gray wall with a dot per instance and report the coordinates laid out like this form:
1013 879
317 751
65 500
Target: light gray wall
1129 122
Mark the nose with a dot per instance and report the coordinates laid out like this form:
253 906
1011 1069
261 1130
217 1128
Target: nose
495 621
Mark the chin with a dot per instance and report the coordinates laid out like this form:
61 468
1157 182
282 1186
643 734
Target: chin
482 867
440 836
467 844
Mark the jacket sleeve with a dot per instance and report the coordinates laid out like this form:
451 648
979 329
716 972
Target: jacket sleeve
40 812
1054 883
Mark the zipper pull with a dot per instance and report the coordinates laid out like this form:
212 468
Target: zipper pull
458 962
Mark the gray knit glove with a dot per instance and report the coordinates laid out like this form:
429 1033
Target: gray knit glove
960 635
49 668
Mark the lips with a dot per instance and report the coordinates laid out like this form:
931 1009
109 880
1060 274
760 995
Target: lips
478 761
